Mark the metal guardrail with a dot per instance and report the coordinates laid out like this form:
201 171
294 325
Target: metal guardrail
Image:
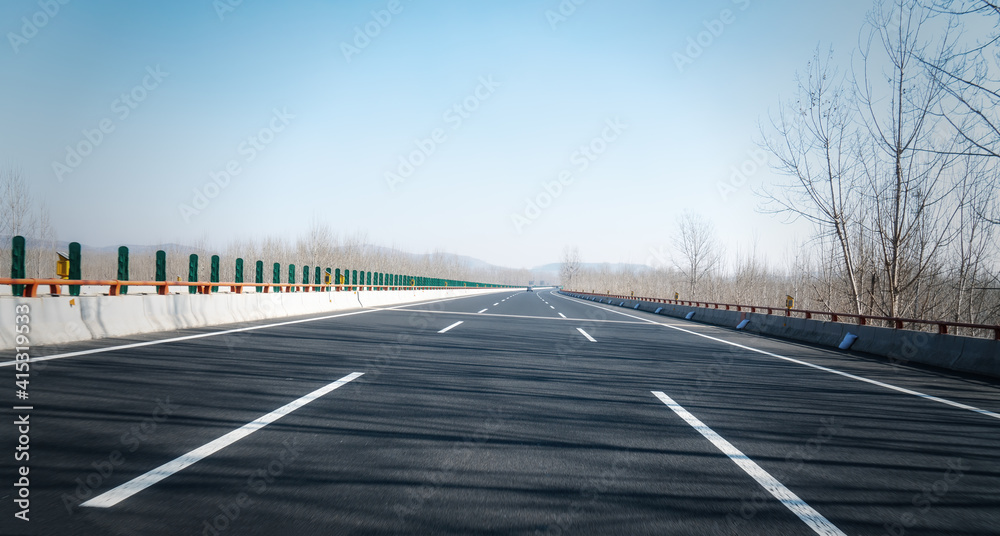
31 286
861 320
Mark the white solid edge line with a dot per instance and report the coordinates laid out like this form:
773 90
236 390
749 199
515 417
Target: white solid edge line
139 483
215 333
817 367
451 326
585 334
483 311
812 518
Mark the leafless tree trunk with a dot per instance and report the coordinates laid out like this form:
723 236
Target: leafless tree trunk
816 144
906 168
570 267
17 212
697 252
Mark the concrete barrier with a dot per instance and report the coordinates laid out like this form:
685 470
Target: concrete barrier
963 354
64 319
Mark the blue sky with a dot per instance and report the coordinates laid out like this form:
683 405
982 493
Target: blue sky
311 132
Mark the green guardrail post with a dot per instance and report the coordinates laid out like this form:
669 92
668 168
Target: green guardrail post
305 275
17 263
258 276
354 279
193 272
161 266
336 277
75 272
213 275
238 274
291 277
277 276
123 267
369 280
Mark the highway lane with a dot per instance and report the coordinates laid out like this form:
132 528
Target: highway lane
512 422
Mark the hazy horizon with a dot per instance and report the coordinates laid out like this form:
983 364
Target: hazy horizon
423 126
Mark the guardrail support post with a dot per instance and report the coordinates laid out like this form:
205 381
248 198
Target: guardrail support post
193 272
123 267
318 280
291 277
74 267
305 278
337 280
277 277
354 279
258 276
213 275
161 272
238 276
17 257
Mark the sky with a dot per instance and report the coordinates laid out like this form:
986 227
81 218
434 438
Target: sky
504 131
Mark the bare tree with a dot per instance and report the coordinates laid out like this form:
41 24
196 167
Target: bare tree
570 267
17 212
815 143
967 73
906 168
697 251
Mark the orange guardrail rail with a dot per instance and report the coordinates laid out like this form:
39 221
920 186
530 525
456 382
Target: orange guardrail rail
861 320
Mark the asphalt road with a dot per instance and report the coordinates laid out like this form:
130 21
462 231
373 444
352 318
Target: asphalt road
536 414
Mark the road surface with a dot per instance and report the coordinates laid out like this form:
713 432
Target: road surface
509 413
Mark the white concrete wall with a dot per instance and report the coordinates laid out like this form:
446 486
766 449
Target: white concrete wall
900 346
64 319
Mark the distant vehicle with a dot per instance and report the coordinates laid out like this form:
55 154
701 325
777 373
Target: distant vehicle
529 289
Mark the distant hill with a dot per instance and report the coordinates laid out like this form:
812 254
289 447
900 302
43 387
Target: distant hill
546 272
613 267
